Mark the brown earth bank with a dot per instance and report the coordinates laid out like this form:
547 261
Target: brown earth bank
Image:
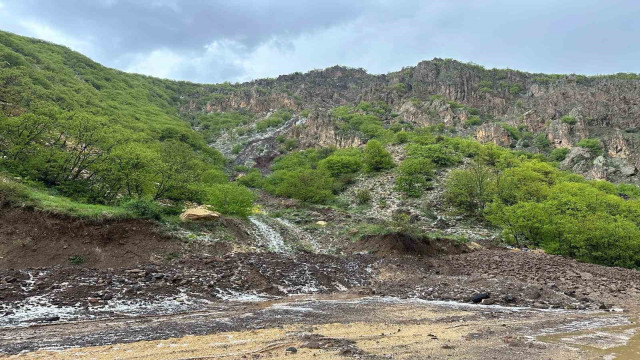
39 239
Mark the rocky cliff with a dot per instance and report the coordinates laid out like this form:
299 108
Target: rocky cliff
467 99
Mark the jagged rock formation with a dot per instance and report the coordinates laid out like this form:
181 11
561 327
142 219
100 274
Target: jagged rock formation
448 92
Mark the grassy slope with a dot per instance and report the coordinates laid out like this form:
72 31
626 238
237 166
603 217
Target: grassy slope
18 194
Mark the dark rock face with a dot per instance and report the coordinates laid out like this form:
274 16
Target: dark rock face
448 92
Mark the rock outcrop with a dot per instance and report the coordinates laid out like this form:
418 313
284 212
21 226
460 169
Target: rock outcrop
447 92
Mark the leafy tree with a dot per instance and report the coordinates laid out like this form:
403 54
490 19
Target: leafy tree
230 199
414 175
376 157
439 154
341 163
313 186
471 189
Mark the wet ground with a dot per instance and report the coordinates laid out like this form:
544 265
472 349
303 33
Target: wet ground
498 304
327 327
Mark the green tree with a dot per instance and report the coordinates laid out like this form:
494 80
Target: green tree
230 199
471 189
414 175
376 157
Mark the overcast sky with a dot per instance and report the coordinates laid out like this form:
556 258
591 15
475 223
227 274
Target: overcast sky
237 40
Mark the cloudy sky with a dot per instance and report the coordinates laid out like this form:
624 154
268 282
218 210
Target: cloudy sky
237 40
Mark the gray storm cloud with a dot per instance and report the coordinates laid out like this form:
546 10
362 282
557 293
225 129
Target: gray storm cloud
214 41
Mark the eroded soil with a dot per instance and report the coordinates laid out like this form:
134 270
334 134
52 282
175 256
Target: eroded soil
326 328
386 297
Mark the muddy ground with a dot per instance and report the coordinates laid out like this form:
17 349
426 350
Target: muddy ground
387 296
336 327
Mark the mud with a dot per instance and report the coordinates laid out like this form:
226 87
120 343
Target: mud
472 299
324 328
38 239
399 244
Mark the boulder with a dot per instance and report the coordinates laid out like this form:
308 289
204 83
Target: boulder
199 214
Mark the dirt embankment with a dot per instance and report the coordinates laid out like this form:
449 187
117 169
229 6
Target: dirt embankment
400 244
36 239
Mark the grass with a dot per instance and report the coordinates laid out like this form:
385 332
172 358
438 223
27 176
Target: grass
17 194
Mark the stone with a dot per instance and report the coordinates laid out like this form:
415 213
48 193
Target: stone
291 350
199 214
628 170
477 298
586 276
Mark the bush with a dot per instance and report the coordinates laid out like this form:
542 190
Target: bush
253 179
145 209
473 120
363 196
593 145
568 120
414 175
401 137
513 132
236 149
230 199
312 186
76 260
558 154
12 194
376 157
541 142
342 163
276 119
439 154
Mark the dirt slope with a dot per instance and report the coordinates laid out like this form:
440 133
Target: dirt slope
35 239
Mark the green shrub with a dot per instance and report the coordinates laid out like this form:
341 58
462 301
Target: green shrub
439 154
594 146
515 89
12 194
473 120
278 118
145 209
236 149
401 137
230 199
76 260
339 163
558 154
414 175
253 179
376 157
471 189
513 132
363 196
312 186
569 120
542 142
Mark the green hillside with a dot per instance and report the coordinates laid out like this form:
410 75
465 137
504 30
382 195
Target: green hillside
97 134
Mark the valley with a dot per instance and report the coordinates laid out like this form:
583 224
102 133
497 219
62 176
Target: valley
442 210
